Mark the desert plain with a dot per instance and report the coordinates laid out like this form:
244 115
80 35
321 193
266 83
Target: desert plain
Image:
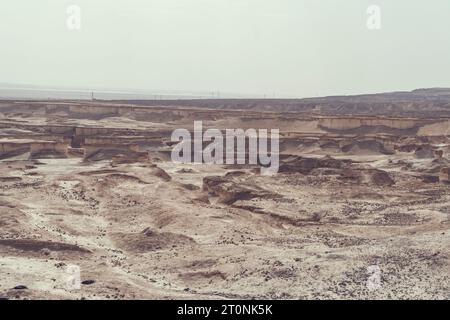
360 207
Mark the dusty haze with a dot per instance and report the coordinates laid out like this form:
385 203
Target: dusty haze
287 48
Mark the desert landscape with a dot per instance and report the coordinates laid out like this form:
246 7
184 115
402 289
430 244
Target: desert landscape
363 185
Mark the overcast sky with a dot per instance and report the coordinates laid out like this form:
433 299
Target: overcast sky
284 48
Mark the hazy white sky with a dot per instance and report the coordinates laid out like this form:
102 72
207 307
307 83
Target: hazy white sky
282 47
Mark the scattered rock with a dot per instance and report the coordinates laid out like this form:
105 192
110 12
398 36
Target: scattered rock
60 264
381 178
151 240
20 287
429 179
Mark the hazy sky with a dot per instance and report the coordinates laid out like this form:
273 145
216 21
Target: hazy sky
282 47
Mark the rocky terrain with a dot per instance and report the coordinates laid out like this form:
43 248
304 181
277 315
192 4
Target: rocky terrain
363 185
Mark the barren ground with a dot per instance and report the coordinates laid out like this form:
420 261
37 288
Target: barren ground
348 197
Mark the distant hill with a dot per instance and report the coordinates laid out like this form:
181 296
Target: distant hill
433 102
425 102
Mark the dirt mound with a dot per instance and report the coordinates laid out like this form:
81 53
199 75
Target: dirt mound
202 277
293 146
298 164
11 154
367 176
160 173
365 147
380 177
290 145
229 191
135 157
48 154
75 152
185 170
121 177
11 218
235 173
429 178
444 175
104 154
160 156
190 186
37 245
117 155
151 240
325 172
294 164
330 145
10 179
97 172
424 152
406 147
430 167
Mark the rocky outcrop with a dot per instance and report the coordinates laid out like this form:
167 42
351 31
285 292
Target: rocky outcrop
366 147
439 154
96 152
296 164
37 149
42 150
373 177
352 123
75 152
424 152
13 148
131 157
380 178
151 240
444 175
229 191
161 173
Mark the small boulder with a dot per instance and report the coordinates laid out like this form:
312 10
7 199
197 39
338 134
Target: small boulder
20 287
